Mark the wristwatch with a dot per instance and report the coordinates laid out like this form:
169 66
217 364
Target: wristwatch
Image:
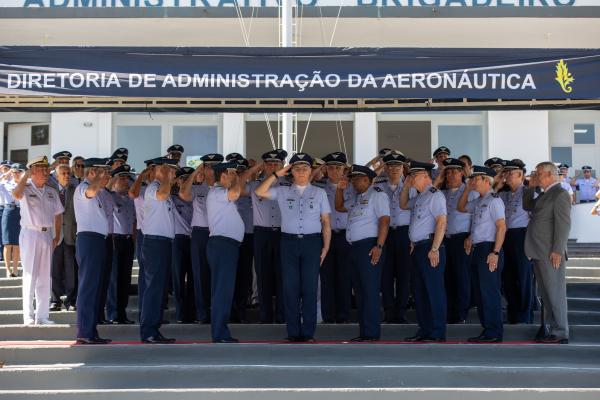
275 175
434 249
379 246
496 252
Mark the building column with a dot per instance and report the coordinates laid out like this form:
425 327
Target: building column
519 134
365 137
234 137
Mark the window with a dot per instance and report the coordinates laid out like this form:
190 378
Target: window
196 141
584 134
143 143
19 156
463 139
562 155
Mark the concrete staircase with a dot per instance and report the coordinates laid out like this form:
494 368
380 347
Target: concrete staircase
41 361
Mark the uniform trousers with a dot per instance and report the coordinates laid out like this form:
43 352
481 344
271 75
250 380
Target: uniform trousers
183 283
267 262
36 258
300 262
395 282
368 283
139 240
64 274
91 258
120 280
336 280
486 289
243 279
430 293
157 253
105 277
222 253
457 277
517 278
200 272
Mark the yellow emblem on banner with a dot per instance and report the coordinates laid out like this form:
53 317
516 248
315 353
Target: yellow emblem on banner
564 77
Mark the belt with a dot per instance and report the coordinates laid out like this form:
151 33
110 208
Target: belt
516 229
121 236
226 239
419 242
338 231
157 237
267 229
12 206
295 236
455 235
182 235
397 228
200 228
37 228
482 244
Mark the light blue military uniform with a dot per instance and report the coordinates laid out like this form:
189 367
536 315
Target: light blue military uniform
301 245
486 211
108 203
517 276
159 232
587 189
226 235
430 294
364 211
458 276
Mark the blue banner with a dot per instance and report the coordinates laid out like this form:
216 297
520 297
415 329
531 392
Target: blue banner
301 73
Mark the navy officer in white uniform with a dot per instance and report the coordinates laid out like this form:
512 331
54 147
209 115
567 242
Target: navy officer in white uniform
305 239
488 228
159 232
368 223
226 235
92 231
426 232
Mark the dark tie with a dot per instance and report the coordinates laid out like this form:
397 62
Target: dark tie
61 194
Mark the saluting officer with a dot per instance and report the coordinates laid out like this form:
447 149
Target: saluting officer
123 246
488 228
175 152
426 232
587 185
159 232
243 277
336 275
267 237
517 276
108 204
439 155
119 157
458 275
92 231
368 221
195 189
395 282
62 157
565 181
183 282
226 234
305 239
137 192
40 211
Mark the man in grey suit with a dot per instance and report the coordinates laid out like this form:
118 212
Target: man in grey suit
546 245
64 265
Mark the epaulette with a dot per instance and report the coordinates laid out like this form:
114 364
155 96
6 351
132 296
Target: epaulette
494 194
380 179
433 189
285 183
377 189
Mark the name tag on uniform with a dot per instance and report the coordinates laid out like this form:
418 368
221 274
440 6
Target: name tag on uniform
291 203
33 195
364 202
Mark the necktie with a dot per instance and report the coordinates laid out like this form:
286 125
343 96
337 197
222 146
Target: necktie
61 194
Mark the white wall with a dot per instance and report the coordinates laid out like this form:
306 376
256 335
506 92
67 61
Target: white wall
365 137
84 134
19 138
519 134
584 227
234 137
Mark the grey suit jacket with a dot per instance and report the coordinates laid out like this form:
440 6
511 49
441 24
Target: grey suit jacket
550 223
69 226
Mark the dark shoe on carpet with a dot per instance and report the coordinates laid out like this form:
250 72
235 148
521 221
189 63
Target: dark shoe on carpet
416 338
228 340
158 339
552 339
55 307
90 341
432 340
293 339
485 339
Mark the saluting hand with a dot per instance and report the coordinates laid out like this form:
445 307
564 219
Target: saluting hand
283 171
342 184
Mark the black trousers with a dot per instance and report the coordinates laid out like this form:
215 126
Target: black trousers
200 272
105 277
64 274
183 283
120 280
336 279
243 279
268 273
517 278
90 258
395 282
457 278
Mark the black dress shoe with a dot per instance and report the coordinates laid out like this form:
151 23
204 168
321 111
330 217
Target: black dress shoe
293 339
90 341
308 339
159 339
104 322
106 341
363 339
122 321
485 339
552 339
55 307
475 339
432 340
228 340
416 338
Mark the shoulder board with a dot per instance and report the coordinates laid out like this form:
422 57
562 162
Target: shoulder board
494 194
285 183
377 189
433 189
380 180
